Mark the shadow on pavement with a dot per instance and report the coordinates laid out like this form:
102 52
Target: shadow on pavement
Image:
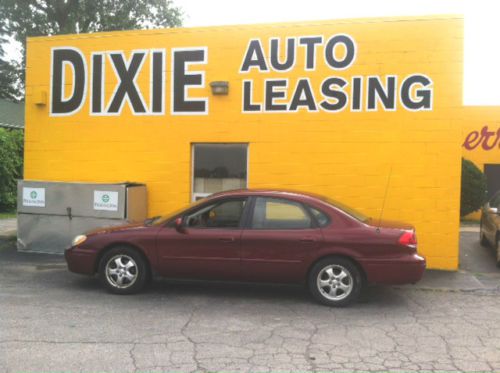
478 271
49 273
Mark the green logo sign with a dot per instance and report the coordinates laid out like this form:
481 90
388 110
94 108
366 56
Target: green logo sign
33 194
105 198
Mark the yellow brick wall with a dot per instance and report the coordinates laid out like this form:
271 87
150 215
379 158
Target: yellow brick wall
347 156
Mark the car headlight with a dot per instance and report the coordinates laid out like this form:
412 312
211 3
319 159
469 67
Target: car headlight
78 240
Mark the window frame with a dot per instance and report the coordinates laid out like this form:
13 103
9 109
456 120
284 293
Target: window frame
193 194
216 203
253 201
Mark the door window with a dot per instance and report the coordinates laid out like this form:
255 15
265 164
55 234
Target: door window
217 215
320 216
276 213
495 201
218 167
492 173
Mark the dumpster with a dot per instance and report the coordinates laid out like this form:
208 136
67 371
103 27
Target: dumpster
51 214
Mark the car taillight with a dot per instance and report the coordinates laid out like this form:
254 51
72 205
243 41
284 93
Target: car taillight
408 239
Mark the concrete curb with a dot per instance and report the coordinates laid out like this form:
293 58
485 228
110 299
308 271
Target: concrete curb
470 229
8 234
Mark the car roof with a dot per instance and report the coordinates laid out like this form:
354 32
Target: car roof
267 192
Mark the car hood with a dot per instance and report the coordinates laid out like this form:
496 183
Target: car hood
391 224
116 228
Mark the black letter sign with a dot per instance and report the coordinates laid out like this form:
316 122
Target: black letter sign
424 95
61 105
329 91
97 83
127 87
350 54
386 96
254 57
182 79
290 54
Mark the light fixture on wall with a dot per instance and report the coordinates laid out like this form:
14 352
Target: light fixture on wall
220 87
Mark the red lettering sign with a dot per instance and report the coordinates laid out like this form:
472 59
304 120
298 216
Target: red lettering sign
486 138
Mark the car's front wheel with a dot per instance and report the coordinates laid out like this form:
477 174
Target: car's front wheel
123 270
335 281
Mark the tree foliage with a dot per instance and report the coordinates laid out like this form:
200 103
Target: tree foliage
23 18
9 71
473 188
11 166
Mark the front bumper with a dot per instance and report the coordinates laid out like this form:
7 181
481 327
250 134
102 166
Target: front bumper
81 260
398 271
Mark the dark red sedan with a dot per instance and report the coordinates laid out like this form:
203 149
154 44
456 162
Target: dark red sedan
255 235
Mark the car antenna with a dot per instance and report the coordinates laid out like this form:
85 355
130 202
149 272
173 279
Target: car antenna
383 202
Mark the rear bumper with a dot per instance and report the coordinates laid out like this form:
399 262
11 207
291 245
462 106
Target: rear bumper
404 270
80 261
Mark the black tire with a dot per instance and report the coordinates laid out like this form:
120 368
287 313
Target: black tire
482 238
346 289
123 265
483 241
497 248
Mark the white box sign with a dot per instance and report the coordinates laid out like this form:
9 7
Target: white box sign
104 200
34 197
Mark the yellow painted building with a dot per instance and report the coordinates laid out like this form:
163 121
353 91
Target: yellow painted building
365 111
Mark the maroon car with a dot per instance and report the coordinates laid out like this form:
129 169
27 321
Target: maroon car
255 235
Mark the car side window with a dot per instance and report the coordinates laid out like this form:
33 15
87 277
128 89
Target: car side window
495 201
225 214
320 216
278 213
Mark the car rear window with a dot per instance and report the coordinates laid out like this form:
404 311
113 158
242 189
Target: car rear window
277 213
320 216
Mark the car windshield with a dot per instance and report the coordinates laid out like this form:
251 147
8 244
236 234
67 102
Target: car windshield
161 219
349 210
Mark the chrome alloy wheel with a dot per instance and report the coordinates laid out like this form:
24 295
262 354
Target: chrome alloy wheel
121 271
335 282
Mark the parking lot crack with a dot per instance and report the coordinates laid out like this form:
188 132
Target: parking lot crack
184 332
132 357
308 354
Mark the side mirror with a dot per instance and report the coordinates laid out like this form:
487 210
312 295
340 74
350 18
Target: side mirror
178 225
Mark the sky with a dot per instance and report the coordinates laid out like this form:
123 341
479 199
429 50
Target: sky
482 30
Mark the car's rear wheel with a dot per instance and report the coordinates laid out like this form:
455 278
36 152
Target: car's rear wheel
335 281
123 270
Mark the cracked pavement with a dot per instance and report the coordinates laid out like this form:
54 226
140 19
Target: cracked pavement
54 321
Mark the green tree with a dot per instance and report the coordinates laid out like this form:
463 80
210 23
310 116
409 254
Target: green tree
473 188
11 166
23 18
9 72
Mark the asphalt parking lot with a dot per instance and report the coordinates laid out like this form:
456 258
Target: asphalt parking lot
55 321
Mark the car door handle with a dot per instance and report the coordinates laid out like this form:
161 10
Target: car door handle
227 239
